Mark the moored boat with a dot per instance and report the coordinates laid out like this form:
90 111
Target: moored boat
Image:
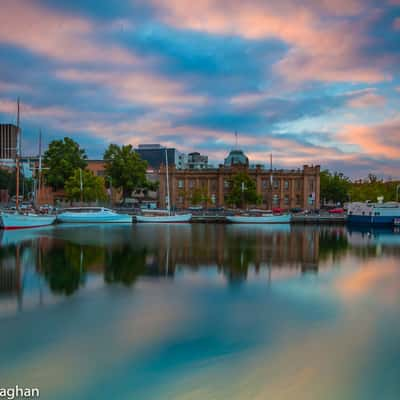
164 218
259 219
23 221
92 215
374 213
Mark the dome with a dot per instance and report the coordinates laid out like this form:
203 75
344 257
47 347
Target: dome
236 157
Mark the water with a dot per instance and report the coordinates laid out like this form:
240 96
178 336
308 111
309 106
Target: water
201 312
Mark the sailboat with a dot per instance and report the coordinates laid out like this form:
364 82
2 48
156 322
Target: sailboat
260 216
169 218
19 220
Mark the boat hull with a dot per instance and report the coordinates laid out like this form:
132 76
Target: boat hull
164 218
19 221
372 220
94 219
269 219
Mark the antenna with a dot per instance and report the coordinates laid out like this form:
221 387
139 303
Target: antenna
236 139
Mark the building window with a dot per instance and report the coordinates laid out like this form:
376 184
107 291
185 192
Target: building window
311 183
213 185
213 198
299 184
226 184
180 199
191 184
275 200
265 184
181 184
286 185
276 183
286 200
297 199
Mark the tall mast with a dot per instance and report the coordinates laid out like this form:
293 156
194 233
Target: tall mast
17 155
40 167
166 170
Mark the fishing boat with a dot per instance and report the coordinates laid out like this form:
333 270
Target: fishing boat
374 213
97 215
265 218
168 217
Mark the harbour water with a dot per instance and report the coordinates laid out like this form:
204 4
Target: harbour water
201 311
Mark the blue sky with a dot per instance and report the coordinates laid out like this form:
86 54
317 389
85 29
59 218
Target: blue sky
312 81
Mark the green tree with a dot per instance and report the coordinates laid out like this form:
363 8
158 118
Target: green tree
199 196
126 168
334 187
62 158
242 190
93 187
5 177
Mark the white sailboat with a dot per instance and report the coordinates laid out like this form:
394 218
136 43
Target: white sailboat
19 220
260 219
169 217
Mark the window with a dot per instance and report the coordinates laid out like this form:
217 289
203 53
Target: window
226 184
191 184
311 183
286 185
276 184
297 199
213 198
286 200
181 184
275 199
299 184
264 184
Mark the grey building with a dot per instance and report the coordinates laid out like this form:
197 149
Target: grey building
196 161
154 154
8 141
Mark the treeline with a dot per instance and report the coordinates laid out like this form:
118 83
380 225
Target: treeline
8 182
337 188
66 169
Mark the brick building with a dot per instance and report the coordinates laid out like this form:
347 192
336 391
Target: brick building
297 188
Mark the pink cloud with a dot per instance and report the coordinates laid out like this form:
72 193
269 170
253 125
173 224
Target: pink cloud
320 50
396 24
136 87
25 24
367 98
381 140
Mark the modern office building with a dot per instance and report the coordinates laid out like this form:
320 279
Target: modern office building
154 154
296 188
8 141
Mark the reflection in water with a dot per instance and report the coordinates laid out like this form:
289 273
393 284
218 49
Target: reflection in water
64 255
181 332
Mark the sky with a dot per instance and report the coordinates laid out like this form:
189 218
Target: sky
310 81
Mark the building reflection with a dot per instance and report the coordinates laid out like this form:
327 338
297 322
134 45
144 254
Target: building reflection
63 259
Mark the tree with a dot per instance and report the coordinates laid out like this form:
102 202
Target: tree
199 196
5 177
62 158
93 188
126 168
242 190
334 187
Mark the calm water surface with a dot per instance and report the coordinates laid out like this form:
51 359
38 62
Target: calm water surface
201 312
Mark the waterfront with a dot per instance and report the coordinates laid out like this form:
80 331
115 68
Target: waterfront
201 311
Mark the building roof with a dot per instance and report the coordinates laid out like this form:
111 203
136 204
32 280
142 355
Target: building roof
236 157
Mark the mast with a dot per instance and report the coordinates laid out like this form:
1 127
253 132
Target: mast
17 150
40 168
271 180
166 171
